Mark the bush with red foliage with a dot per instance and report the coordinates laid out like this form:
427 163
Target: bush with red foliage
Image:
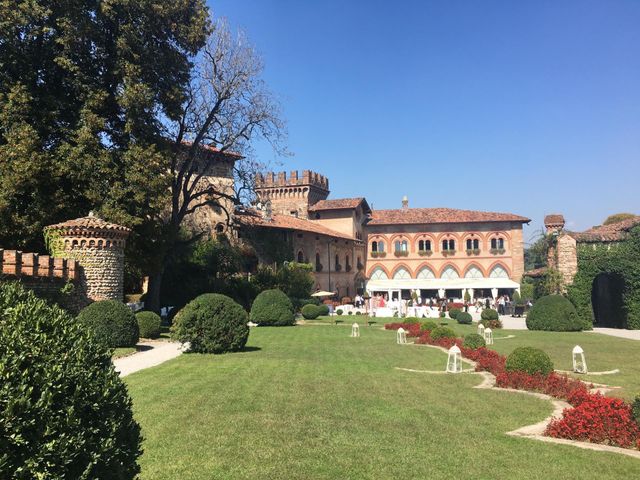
558 386
598 419
412 329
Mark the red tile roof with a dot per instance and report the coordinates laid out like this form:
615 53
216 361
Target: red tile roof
212 149
88 223
613 232
339 204
536 272
554 219
439 215
254 219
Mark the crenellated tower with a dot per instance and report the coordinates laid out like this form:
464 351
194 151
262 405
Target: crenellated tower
293 195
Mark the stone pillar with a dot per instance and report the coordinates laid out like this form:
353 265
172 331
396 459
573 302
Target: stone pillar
98 247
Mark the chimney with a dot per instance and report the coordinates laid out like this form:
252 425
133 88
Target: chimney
405 203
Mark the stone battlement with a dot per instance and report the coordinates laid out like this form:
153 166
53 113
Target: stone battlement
280 179
19 264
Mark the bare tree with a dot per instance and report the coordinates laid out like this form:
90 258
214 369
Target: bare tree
228 106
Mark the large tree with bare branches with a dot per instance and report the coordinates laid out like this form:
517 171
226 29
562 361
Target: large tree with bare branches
228 107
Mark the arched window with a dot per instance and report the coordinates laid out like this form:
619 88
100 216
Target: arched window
497 243
318 264
219 228
379 274
374 246
300 257
449 273
473 244
401 246
359 264
377 246
473 272
347 263
498 272
425 273
448 245
424 245
401 274
336 264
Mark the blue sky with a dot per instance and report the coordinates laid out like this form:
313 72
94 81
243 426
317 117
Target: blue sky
523 107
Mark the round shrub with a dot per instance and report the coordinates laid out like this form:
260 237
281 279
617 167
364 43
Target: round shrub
553 313
411 320
453 312
635 409
272 308
530 360
339 311
212 323
442 315
442 332
112 322
428 325
149 324
310 311
67 413
473 340
323 309
464 318
489 314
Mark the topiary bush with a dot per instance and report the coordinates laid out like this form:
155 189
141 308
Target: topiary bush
530 360
66 412
310 311
453 312
635 409
112 323
339 311
323 309
212 323
489 314
148 324
428 325
553 313
464 318
442 332
473 340
442 315
273 308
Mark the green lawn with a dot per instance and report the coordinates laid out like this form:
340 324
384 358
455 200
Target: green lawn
312 403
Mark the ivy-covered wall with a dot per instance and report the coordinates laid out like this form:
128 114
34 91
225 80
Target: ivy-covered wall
622 259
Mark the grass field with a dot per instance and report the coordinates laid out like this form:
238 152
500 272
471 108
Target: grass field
312 403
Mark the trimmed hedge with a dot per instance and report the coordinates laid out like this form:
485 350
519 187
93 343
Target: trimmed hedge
442 332
473 340
339 312
148 324
323 309
428 325
464 318
112 323
212 323
554 313
489 314
492 324
310 311
272 308
530 360
453 312
66 412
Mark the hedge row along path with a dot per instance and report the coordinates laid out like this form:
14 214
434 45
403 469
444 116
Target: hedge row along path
153 353
536 431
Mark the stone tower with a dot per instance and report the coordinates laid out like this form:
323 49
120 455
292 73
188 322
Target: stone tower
98 248
294 195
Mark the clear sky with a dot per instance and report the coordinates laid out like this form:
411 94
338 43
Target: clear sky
510 106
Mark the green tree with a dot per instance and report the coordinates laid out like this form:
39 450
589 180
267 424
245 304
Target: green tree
617 217
85 88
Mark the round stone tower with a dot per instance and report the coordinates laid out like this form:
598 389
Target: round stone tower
98 247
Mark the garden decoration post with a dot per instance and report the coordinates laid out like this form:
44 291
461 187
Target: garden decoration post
481 329
454 360
355 330
401 336
579 362
494 293
441 292
488 336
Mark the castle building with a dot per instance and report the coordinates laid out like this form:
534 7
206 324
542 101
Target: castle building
354 249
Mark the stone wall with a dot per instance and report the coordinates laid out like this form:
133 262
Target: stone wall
292 195
567 258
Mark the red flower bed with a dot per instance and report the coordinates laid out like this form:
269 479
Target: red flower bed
412 329
598 419
558 386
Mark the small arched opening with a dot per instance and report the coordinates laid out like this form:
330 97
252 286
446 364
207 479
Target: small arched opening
607 301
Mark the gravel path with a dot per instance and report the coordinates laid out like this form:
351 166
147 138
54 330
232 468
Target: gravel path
619 332
157 353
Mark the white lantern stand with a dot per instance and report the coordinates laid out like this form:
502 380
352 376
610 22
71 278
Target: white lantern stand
579 362
454 360
488 336
401 336
355 330
481 329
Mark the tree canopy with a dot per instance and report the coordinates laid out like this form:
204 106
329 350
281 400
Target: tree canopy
617 217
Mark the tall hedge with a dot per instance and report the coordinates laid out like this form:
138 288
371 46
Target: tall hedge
272 308
149 324
112 323
64 411
553 313
212 323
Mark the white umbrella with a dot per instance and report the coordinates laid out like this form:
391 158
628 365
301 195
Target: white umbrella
494 293
441 293
323 293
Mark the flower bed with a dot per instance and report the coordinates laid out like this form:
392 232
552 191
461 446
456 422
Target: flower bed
592 416
412 329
